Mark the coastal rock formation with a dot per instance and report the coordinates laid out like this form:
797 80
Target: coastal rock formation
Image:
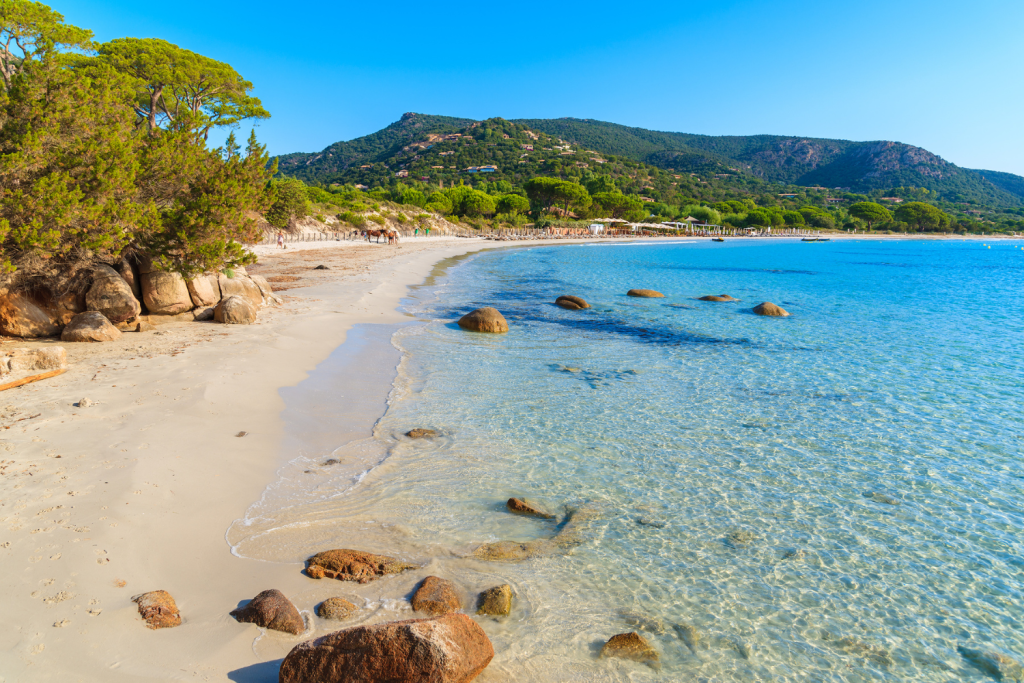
632 646
131 277
91 326
336 609
877 654
573 303
240 285
144 326
768 308
112 296
740 538
521 507
719 297
880 497
992 663
448 649
353 565
186 317
265 289
485 319
158 609
645 294
18 362
235 310
420 433
436 596
204 290
22 315
204 313
496 602
570 535
689 635
271 609
165 293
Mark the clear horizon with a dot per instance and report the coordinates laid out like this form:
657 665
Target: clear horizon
936 76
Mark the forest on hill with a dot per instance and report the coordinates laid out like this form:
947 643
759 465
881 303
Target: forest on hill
423 157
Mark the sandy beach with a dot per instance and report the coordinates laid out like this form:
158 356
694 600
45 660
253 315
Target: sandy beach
134 493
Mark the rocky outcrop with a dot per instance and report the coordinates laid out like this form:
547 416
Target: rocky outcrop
485 319
570 535
204 313
240 285
91 326
335 609
632 646
992 663
420 433
353 565
271 609
495 602
645 294
204 290
235 310
20 362
22 315
521 507
265 289
717 297
165 293
131 277
110 295
572 303
158 609
768 308
436 596
448 649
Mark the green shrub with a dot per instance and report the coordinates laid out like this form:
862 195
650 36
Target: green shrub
379 220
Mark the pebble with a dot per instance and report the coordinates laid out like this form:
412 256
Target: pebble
84 403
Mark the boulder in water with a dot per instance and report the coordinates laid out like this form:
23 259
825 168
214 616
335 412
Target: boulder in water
485 319
573 303
448 649
632 646
112 296
511 551
420 433
158 609
91 326
645 294
336 609
271 609
235 310
521 507
496 602
353 565
770 309
718 297
436 596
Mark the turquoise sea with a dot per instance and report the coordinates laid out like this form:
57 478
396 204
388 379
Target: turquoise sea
833 496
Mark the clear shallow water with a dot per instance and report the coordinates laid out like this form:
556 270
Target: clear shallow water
760 452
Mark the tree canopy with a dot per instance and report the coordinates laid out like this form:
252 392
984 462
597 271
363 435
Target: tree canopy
30 31
870 212
924 217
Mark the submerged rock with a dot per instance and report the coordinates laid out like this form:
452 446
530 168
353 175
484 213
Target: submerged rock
719 297
656 523
880 497
645 294
353 565
271 609
643 622
572 303
740 538
485 319
521 507
91 326
158 609
448 649
335 609
992 663
570 534
770 309
859 648
436 596
792 554
420 433
689 635
496 602
632 646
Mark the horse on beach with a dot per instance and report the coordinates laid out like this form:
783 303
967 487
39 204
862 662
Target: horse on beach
390 235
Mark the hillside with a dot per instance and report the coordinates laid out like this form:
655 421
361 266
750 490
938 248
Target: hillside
752 159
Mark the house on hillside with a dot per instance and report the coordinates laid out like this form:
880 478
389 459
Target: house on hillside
402 174
506 136
528 148
446 154
834 200
482 169
894 200
788 196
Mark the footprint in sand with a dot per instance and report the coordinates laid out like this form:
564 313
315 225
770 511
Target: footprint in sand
55 557
61 624
36 649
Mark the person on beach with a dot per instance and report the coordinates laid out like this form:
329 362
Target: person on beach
428 232
280 239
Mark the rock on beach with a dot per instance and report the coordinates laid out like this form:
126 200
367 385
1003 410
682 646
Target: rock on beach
353 565
496 602
521 507
91 326
271 609
158 609
632 646
770 309
448 649
436 596
645 294
23 316
112 296
485 319
165 293
336 609
420 433
235 310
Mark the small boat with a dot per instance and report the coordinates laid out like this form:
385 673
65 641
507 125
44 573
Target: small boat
717 239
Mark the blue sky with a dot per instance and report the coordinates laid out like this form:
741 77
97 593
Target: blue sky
943 75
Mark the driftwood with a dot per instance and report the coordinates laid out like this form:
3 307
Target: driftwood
32 378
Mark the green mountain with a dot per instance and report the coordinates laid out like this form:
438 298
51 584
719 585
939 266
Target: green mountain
753 160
